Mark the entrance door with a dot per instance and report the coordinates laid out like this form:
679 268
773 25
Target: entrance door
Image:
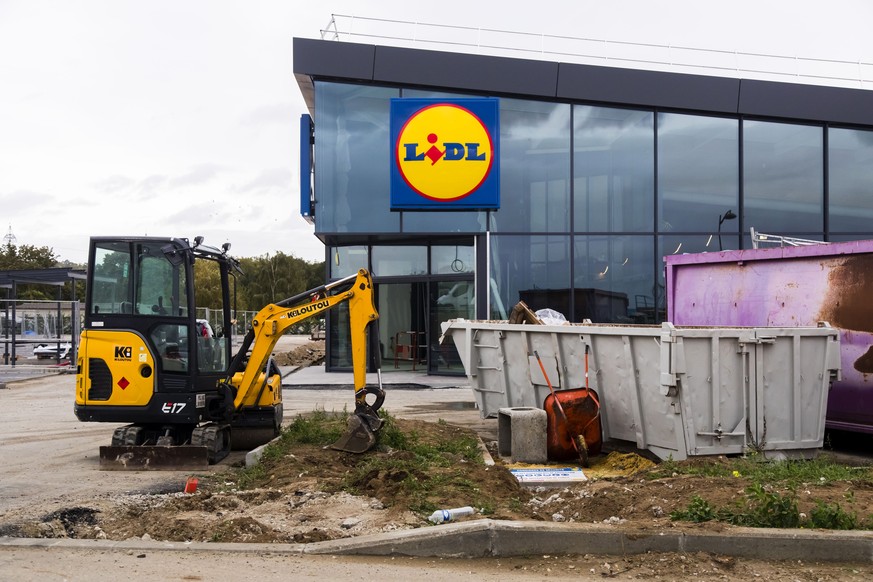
449 300
403 337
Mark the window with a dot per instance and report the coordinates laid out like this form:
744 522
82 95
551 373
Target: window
399 260
850 175
351 145
534 167
137 279
698 172
614 169
783 177
525 267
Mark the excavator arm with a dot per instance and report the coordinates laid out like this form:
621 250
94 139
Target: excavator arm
248 372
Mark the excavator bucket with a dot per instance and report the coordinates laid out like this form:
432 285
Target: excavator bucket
153 458
360 435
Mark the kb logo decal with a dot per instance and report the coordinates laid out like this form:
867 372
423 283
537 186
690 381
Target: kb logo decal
444 153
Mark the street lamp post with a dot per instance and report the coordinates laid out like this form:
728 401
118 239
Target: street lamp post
729 215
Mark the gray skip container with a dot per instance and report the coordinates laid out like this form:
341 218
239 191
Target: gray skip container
675 391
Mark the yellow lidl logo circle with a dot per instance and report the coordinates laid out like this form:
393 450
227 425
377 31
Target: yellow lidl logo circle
444 152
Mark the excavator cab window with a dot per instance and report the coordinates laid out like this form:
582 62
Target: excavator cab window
137 279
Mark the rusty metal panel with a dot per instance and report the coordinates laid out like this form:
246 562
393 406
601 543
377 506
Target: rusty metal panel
789 287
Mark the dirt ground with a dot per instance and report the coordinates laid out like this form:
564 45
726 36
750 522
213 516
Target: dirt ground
297 499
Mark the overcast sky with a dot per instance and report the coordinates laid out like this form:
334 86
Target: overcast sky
179 118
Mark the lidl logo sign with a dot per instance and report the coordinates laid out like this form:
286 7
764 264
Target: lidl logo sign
444 154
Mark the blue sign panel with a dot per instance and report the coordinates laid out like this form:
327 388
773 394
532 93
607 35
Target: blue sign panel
445 154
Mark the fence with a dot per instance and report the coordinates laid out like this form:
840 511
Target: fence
30 327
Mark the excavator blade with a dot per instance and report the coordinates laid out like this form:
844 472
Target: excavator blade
359 437
153 458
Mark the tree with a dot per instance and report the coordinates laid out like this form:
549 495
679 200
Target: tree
268 279
18 258
207 284
13 258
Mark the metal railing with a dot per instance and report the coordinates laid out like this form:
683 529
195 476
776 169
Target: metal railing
587 50
34 326
759 238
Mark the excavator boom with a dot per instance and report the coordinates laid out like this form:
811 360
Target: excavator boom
275 319
146 358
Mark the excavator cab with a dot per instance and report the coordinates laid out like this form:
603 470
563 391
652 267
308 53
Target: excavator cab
146 358
143 357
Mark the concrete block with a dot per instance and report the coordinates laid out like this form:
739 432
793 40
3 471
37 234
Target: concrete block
521 434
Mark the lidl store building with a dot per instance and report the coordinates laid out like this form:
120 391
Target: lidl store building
467 183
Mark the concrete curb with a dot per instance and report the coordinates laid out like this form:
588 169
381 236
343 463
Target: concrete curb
492 538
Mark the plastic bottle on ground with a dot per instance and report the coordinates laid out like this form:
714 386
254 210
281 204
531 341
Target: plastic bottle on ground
444 515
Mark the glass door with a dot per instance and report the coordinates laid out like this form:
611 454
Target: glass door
452 299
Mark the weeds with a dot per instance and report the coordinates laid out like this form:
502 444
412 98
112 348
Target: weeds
415 468
764 507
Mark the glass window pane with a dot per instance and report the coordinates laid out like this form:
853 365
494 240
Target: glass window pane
352 157
534 167
472 221
111 291
783 169
613 279
160 288
524 268
345 261
452 259
850 175
698 172
391 261
614 169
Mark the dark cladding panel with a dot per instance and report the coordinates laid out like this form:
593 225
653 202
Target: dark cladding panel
808 102
343 60
462 72
648 88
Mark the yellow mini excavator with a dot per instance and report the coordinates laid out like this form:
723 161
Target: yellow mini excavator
147 360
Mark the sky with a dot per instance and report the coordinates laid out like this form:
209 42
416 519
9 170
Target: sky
180 118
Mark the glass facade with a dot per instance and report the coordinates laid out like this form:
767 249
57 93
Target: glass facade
352 157
534 167
592 199
783 177
613 170
698 172
850 180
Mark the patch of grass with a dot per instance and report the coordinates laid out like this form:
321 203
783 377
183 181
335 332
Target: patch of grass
698 511
765 508
833 516
792 473
318 428
415 467
763 505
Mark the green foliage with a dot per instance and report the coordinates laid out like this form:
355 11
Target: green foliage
268 279
699 511
759 470
767 508
832 516
764 505
319 428
207 285
14 257
417 467
21 257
